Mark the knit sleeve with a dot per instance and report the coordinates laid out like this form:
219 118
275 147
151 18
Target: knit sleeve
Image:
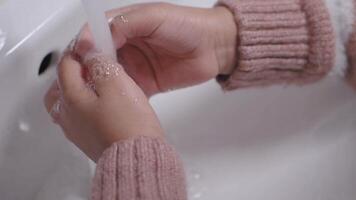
351 75
140 168
351 52
280 41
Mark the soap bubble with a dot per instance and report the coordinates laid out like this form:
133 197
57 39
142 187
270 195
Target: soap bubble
24 126
197 195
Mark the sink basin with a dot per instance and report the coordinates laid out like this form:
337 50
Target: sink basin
272 143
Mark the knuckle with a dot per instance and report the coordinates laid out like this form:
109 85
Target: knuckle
77 100
163 4
71 98
160 9
159 13
49 98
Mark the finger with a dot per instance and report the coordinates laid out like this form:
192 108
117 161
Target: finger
117 11
71 81
140 70
137 23
52 102
84 41
108 76
51 96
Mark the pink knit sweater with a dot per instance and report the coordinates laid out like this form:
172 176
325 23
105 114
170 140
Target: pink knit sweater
281 41
139 168
351 52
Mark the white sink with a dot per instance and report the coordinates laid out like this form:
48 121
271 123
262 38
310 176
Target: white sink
259 144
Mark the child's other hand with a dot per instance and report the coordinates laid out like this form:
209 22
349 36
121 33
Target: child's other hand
94 119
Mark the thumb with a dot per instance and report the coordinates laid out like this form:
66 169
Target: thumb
133 21
141 22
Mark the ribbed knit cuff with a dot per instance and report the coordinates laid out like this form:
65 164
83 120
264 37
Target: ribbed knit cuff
139 168
351 53
280 41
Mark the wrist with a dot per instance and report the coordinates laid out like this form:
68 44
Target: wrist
225 39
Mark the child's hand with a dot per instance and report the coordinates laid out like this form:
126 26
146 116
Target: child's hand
94 119
165 47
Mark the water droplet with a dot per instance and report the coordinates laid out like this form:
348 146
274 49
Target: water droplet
24 127
197 176
197 195
136 100
123 94
123 19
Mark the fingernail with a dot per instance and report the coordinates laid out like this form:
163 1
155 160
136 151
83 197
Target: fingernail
71 45
111 19
124 19
119 16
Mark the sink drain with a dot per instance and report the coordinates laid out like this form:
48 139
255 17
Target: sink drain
46 63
